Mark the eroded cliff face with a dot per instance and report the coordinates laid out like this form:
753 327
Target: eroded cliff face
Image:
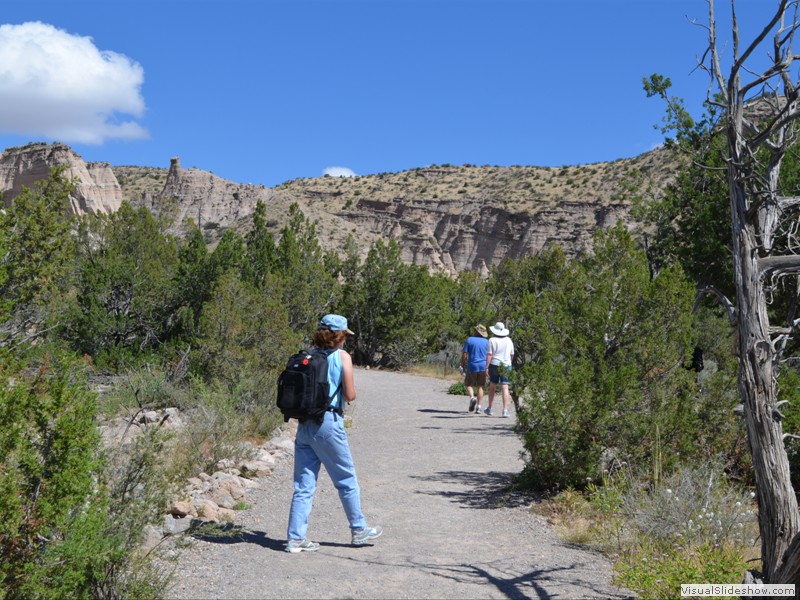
449 219
456 218
98 190
211 202
453 236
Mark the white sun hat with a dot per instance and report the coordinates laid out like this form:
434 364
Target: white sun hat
499 329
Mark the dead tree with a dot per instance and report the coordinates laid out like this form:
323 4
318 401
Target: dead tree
760 110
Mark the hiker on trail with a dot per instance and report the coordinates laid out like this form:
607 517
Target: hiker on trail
325 443
498 364
473 364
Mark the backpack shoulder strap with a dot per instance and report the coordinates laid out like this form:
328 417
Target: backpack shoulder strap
327 352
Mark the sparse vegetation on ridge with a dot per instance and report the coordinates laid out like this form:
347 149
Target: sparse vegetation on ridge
516 188
135 181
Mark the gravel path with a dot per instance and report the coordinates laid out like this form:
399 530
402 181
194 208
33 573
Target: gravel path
432 475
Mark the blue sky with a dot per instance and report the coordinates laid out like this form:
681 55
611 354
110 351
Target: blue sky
265 91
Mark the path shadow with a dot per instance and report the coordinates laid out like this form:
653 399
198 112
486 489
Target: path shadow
459 413
504 426
228 533
533 584
486 490
544 583
488 429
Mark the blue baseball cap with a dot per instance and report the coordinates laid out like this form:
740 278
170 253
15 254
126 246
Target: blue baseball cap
334 323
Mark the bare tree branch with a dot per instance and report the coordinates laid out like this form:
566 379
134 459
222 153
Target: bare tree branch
779 265
716 69
759 39
721 298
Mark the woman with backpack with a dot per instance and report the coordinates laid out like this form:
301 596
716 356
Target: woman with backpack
324 442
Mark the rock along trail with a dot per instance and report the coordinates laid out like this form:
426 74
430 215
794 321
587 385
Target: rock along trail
433 475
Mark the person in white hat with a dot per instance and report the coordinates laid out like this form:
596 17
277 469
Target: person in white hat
498 365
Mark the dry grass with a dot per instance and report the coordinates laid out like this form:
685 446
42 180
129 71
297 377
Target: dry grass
578 530
572 516
436 371
695 513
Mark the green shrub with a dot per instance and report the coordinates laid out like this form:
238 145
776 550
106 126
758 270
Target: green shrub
47 452
656 572
149 387
125 286
70 525
607 498
789 391
458 389
215 429
695 527
243 334
403 353
600 346
695 505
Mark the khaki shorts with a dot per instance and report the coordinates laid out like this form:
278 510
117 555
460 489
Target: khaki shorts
475 379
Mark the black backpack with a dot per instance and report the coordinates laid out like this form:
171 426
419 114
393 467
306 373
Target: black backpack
303 386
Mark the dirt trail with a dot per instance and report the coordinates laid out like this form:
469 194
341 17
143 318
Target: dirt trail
432 475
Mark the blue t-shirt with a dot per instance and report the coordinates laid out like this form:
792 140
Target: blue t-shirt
476 348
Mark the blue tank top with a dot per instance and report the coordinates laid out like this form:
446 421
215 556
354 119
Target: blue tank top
335 377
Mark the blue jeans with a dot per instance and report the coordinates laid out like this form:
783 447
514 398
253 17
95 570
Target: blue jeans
325 444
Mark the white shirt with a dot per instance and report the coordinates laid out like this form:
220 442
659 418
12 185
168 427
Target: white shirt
501 349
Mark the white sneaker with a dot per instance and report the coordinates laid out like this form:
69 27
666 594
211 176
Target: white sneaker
505 413
295 546
366 535
478 409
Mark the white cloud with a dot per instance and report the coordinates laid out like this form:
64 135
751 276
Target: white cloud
60 86
339 172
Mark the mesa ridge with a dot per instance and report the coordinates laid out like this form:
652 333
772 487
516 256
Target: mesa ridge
444 217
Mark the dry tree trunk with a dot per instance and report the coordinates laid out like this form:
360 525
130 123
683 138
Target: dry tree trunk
778 512
756 213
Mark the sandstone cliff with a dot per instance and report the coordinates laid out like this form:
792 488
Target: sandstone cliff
213 203
454 236
455 218
97 190
447 218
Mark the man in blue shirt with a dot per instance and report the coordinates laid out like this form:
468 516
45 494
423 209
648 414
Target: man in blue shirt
473 363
